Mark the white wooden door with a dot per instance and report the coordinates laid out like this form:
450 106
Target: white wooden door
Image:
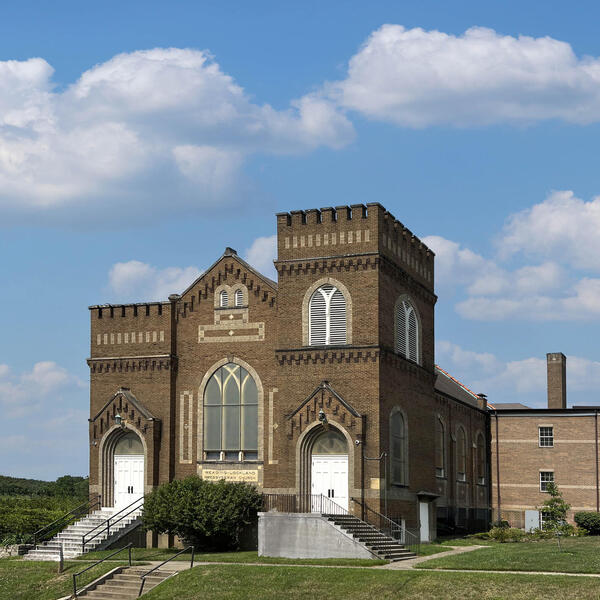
329 477
129 479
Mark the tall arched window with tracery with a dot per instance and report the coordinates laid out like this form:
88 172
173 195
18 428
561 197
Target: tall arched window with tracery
480 459
461 454
327 317
398 448
440 448
231 415
239 297
406 325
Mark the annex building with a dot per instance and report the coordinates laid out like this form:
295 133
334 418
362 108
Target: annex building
322 382
554 444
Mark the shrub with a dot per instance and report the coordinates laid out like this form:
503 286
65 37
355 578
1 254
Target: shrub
507 534
588 520
500 524
206 514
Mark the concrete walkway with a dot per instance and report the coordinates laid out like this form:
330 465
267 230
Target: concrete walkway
410 564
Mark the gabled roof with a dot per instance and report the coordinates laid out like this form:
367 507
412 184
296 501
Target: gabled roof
446 384
231 253
324 386
131 399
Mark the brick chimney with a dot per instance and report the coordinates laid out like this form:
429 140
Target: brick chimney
557 380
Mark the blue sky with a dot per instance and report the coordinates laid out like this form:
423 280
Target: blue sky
139 139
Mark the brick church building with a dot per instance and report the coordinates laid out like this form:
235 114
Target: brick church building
323 382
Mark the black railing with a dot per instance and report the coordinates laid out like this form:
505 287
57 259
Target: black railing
302 503
86 538
76 575
143 577
392 527
59 524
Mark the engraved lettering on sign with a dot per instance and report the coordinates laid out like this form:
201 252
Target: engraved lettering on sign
230 475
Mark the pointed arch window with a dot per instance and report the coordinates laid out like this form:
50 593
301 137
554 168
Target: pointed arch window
440 448
223 299
327 317
461 455
407 330
231 415
398 448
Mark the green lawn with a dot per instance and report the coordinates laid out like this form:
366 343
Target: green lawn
579 555
429 549
250 556
239 582
33 580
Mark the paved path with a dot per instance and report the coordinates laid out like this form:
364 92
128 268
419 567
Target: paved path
410 564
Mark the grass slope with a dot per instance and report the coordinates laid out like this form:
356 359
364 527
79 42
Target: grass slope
250 556
579 555
32 580
239 582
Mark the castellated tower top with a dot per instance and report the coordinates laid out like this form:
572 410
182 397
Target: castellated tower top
353 230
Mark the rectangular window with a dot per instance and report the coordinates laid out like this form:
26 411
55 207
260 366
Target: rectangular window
544 516
546 477
546 435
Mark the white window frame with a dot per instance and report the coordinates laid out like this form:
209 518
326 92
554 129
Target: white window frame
544 482
545 437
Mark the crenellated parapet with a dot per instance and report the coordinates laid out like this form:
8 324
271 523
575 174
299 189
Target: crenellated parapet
356 230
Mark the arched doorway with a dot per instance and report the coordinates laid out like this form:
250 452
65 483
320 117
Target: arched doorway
329 467
128 471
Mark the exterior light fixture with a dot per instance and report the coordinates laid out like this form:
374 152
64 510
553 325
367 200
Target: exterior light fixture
323 419
120 421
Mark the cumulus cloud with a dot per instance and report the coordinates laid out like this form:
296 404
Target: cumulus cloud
132 280
563 227
521 380
417 78
547 291
149 129
261 255
21 394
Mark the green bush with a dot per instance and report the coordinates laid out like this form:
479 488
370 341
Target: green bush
507 534
589 521
208 515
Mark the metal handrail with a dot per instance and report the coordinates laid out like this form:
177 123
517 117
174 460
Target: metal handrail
107 522
36 536
143 577
302 503
393 528
76 575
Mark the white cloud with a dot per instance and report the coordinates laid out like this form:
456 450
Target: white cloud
417 78
563 227
22 394
134 279
261 255
542 292
139 128
519 380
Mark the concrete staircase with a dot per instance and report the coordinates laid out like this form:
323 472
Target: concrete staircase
71 537
124 585
374 540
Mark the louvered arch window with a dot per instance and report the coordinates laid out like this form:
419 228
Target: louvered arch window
407 330
327 317
239 298
223 299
